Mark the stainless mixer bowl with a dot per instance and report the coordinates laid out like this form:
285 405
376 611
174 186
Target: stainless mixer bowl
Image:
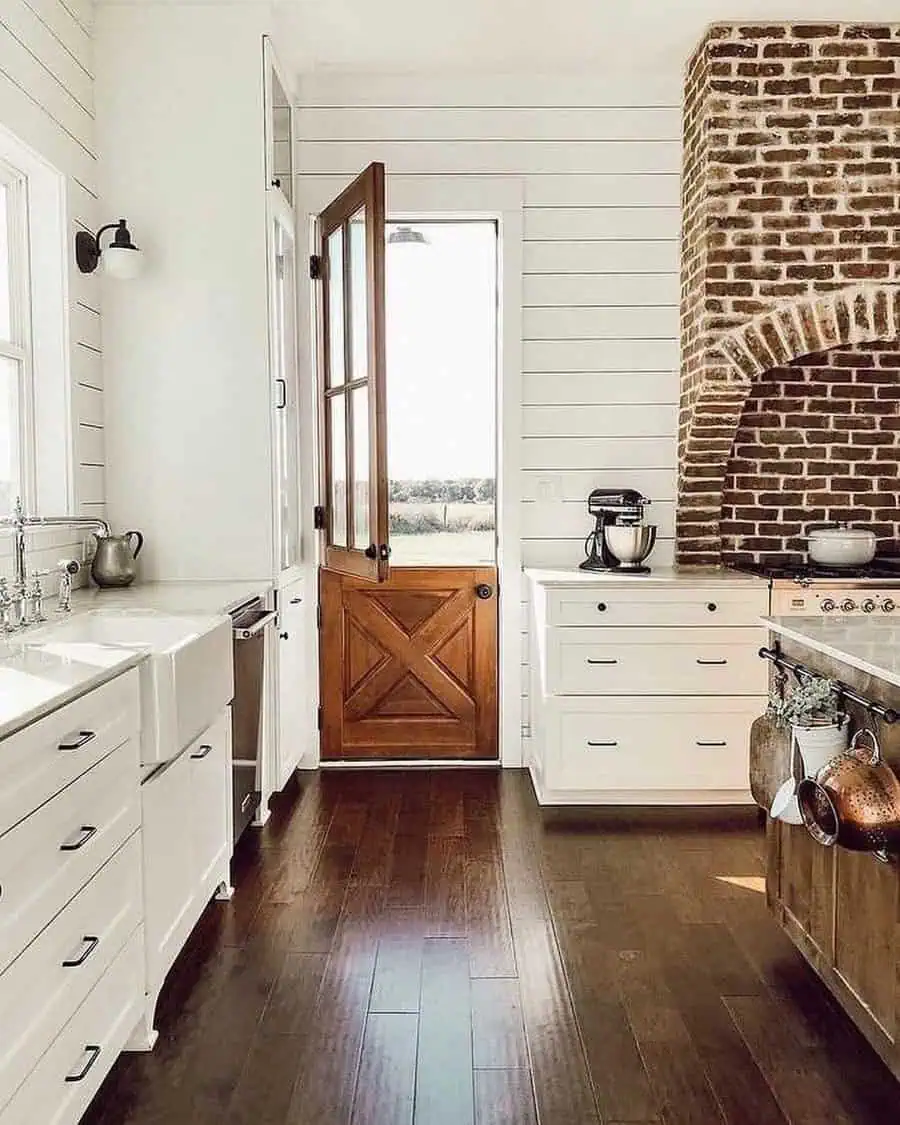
630 544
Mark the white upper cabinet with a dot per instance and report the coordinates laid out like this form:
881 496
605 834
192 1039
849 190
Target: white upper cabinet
279 128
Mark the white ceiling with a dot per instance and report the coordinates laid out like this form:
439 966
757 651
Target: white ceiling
403 36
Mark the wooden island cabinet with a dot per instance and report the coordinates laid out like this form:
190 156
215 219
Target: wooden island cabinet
841 908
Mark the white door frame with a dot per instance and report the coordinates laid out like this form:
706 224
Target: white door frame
464 198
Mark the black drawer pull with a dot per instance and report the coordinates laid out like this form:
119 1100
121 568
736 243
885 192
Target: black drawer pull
712 607
601 607
703 744
85 832
203 752
77 739
90 944
711 663
591 661
93 1053
604 744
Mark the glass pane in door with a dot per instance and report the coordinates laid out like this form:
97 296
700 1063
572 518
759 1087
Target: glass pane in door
363 534
441 330
338 454
335 266
10 458
359 297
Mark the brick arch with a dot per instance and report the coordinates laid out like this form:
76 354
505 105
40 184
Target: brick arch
736 361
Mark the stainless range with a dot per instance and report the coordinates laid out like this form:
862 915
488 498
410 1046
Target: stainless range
813 591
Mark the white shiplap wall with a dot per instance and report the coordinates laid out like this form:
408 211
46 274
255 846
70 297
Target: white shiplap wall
47 101
599 164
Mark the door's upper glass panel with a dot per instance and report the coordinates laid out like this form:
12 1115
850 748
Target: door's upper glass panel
335 254
359 298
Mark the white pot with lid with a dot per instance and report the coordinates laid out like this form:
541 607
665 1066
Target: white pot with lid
840 545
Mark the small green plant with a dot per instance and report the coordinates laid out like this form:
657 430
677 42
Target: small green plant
815 702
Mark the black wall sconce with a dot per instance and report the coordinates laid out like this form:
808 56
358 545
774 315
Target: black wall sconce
121 258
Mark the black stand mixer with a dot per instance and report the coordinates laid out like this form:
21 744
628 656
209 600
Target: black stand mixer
620 540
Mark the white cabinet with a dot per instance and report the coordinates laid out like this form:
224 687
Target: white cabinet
293 713
71 941
186 809
643 690
210 766
168 870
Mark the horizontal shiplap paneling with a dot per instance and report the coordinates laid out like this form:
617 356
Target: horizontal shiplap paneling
599 323
570 520
599 355
567 452
636 420
584 388
612 256
638 291
575 484
47 100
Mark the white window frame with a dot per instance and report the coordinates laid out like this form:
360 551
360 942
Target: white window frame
19 346
43 239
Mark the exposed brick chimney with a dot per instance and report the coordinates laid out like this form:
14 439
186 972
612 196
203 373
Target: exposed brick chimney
790 258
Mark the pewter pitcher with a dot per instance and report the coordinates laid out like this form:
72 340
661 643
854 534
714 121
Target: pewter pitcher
115 560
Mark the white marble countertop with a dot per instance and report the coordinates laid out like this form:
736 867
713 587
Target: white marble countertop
172 597
869 644
659 576
36 679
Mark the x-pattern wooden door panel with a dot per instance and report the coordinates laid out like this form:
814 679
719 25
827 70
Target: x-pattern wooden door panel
409 667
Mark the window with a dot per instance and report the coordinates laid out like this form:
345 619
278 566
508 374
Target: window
16 454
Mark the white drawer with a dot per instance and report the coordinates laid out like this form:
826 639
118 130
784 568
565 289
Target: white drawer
58 1090
672 745
42 989
48 858
36 763
703 606
656 662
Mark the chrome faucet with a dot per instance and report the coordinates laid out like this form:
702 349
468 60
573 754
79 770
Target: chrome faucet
16 609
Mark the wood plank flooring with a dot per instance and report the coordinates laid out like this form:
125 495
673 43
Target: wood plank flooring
429 948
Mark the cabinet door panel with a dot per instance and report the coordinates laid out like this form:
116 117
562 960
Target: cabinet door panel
292 686
168 865
210 764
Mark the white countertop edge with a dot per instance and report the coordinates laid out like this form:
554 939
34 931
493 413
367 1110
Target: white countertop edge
792 627
216 596
659 576
131 658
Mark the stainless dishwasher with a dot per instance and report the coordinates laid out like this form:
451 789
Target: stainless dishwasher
250 622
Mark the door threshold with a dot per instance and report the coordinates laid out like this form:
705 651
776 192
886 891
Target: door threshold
402 764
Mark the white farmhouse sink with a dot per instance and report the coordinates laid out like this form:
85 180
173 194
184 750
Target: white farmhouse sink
186 681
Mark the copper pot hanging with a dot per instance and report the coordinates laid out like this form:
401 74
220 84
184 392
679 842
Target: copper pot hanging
854 801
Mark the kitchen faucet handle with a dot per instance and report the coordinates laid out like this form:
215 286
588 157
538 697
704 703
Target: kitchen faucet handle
66 568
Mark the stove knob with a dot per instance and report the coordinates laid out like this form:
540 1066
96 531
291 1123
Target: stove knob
888 605
867 606
848 605
829 605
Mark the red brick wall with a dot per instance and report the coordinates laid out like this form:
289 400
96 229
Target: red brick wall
818 440
791 192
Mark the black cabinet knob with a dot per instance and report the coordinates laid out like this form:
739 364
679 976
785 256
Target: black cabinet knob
601 607
284 636
712 607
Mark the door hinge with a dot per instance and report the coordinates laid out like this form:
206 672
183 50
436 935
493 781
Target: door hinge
315 267
319 717
319 517
279 266
318 617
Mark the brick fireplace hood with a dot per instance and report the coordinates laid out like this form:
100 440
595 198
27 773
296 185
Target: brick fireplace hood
790 249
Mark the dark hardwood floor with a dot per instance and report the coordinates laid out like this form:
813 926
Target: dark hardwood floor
429 948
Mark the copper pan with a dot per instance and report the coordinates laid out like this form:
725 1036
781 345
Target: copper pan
854 801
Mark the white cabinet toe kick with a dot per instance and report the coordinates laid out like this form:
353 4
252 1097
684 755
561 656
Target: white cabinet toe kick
644 696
